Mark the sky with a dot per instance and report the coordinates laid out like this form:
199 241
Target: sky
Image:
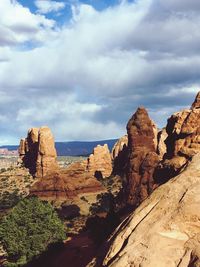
83 67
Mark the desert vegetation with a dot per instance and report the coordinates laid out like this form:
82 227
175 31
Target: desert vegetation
30 227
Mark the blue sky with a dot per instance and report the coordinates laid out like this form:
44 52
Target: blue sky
65 13
83 68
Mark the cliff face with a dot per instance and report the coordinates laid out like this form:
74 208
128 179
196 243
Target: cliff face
38 152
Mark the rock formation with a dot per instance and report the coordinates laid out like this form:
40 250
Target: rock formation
161 147
38 152
164 230
151 157
183 140
119 146
119 156
142 157
66 184
99 164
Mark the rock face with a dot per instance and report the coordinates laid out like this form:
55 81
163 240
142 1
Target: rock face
99 164
119 146
38 152
164 231
119 156
183 139
162 148
142 157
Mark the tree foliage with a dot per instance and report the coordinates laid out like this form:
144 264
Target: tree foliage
29 229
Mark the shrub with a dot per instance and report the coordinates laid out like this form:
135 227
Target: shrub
29 229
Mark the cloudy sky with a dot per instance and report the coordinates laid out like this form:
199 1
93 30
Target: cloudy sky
83 67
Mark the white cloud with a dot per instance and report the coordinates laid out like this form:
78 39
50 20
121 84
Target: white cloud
88 76
19 25
48 6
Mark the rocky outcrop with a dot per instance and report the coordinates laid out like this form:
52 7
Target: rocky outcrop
46 158
38 152
142 157
161 147
164 230
119 146
99 164
120 155
66 184
183 140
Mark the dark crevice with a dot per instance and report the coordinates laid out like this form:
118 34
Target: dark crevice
183 196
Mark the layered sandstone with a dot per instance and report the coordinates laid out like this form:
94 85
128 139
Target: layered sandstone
66 184
99 164
38 152
164 230
142 157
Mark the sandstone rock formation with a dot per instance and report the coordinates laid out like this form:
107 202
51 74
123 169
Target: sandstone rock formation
120 155
183 140
66 184
142 157
99 164
119 146
161 147
38 152
164 230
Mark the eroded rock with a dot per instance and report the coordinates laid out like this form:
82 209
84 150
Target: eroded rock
164 230
120 156
99 164
38 152
183 140
142 157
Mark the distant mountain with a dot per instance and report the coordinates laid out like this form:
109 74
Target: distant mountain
83 148
74 148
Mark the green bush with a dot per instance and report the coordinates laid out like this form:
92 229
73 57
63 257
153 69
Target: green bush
29 229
